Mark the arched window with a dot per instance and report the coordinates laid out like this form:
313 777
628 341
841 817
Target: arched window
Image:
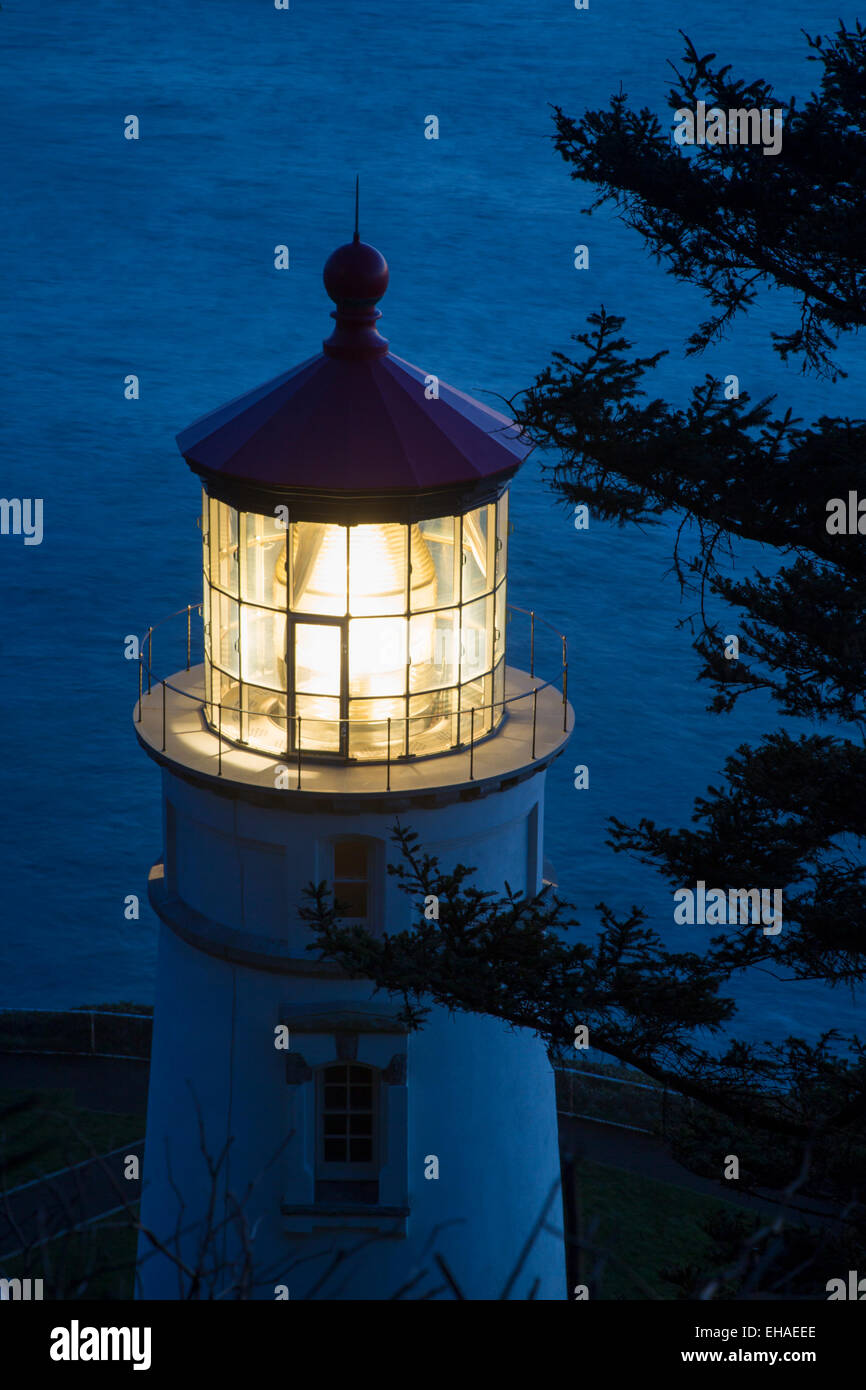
348 1108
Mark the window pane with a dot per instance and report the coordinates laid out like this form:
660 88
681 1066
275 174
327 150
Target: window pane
434 647
499 622
498 689
224 546
477 537
476 695
208 687
368 727
377 656
432 728
226 692
350 859
347 1125
205 532
439 537
319 559
377 569
224 632
263 560
424 584
263 647
501 536
317 658
205 618
320 726
476 637
264 719
352 898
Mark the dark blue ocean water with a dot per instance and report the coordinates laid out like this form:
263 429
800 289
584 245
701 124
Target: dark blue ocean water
155 257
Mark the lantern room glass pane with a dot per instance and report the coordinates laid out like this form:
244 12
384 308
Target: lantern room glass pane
317 658
377 656
434 642
498 690
205 533
224 546
432 722
319 562
263 647
422 651
439 538
477 552
264 714
263 560
501 536
476 638
319 726
205 618
225 632
378 569
368 727
424 590
226 692
500 618
476 695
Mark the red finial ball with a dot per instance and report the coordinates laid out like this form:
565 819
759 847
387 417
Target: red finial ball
356 273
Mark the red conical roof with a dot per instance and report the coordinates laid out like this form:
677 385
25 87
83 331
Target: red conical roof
354 424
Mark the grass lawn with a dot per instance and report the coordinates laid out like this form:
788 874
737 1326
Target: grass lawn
646 1226
94 1263
41 1131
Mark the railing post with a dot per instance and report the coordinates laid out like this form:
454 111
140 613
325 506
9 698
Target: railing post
140 680
188 632
298 741
149 656
220 739
532 641
163 716
564 686
388 772
534 707
472 744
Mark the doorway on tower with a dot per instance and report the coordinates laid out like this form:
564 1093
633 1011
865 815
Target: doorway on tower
348 1145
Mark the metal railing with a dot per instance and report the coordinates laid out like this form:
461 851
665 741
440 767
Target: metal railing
76 1032
616 1096
147 679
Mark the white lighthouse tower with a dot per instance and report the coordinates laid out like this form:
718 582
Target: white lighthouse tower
300 1141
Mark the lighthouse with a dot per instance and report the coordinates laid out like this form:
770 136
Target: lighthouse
347 668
